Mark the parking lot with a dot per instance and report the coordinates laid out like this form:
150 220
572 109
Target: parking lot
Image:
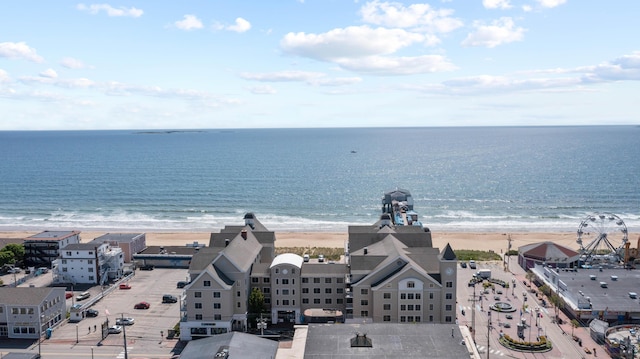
146 286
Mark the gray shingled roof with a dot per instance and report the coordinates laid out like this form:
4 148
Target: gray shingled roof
240 346
24 295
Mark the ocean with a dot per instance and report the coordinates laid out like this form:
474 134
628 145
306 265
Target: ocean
489 179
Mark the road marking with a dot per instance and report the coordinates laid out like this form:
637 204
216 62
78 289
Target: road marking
121 355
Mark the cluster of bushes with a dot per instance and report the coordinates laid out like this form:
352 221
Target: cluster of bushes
470 254
330 254
542 345
11 253
499 282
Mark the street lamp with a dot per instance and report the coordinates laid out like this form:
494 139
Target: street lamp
40 334
91 352
261 324
77 334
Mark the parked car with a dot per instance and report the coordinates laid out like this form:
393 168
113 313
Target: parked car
321 258
142 305
116 329
506 325
92 313
509 316
463 264
15 270
83 296
182 284
125 286
168 298
305 258
68 295
146 267
125 321
472 264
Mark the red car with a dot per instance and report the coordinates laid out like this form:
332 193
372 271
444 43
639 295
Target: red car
125 286
142 305
68 295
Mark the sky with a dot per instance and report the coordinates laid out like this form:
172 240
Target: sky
208 64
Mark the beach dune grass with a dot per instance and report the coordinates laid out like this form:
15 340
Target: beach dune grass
330 254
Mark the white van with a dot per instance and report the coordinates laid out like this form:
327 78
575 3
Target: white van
306 257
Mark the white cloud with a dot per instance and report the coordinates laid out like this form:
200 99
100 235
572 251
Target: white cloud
4 76
382 65
499 32
262 90
526 8
189 22
49 73
19 50
496 4
241 25
350 42
71 63
551 3
311 78
110 10
393 14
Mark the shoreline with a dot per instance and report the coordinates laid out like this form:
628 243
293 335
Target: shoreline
495 241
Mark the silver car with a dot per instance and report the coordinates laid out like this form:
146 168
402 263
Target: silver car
116 329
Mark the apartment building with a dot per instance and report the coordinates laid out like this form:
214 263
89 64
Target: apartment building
88 263
26 313
388 274
130 243
41 249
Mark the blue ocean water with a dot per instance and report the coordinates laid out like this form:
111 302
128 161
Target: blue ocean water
462 179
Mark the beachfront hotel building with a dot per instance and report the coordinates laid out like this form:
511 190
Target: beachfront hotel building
88 263
42 249
388 274
130 243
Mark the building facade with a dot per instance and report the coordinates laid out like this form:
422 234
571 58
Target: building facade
27 313
130 243
42 249
88 263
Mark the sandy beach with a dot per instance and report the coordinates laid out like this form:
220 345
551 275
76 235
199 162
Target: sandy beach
459 240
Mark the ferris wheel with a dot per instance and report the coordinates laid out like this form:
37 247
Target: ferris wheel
607 234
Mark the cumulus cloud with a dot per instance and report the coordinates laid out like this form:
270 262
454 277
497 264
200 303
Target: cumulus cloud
423 16
72 63
308 77
110 10
496 4
49 73
262 90
189 22
499 32
382 65
4 76
241 25
551 3
19 50
350 42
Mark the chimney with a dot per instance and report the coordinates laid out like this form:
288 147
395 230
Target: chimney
244 234
226 242
366 250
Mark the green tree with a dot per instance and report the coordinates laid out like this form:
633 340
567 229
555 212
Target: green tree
574 324
256 301
16 249
530 277
7 257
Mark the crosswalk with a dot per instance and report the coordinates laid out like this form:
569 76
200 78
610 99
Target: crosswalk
121 355
481 349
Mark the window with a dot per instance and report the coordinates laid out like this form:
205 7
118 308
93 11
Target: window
285 302
238 304
316 290
430 295
327 280
403 319
305 300
386 318
64 261
255 280
305 290
449 284
285 281
90 277
430 306
364 302
327 301
198 305
364 313
316 280
339 280
277 270
198 316
447 319
410 318
447 307
403 307
265 280
327 290
411 284
403 295
207 283
266 290
316 300
285 292
386 295
410 296
339 301
418 319
237 293
449 295
410 307
216 294
418 307
305 280
267 300
90 261
90 269
216 305
431 318
418 296
386 307
364 291
197 294
217 317
339 290
64 269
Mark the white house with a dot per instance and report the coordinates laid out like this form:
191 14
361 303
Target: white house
90 263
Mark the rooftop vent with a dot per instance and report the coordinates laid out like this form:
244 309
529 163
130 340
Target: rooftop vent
614 278
592 276
366 250
361 341
633 295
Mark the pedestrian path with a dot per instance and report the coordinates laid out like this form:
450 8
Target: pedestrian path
481 349
121 355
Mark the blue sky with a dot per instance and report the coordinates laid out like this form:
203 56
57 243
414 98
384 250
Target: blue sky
317 63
